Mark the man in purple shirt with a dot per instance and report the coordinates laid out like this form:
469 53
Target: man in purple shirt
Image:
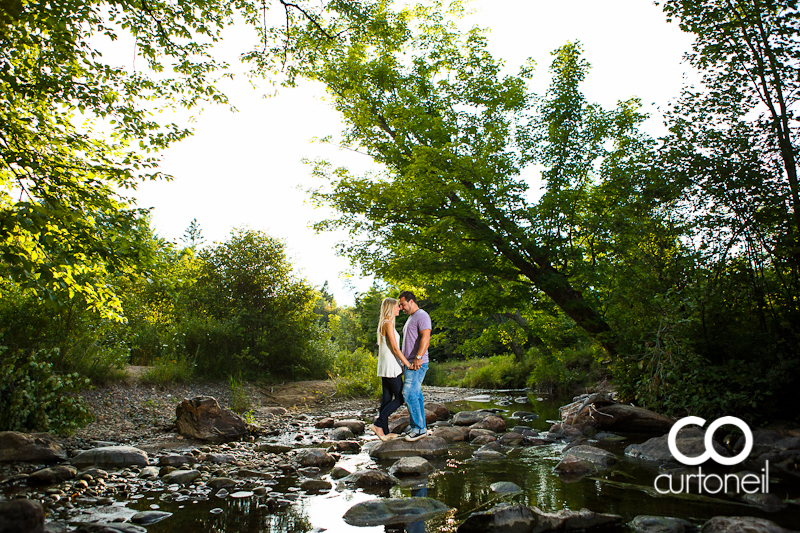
416 338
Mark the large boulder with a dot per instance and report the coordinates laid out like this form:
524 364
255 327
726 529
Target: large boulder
51 476
111 456
202 418
442 412
389 511
29 448
624 418
690 442
397 448
21 515
371 478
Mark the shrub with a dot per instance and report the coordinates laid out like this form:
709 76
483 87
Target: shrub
497 372
34 398
355 373
170 370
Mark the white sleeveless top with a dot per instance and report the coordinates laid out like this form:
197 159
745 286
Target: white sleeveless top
388 365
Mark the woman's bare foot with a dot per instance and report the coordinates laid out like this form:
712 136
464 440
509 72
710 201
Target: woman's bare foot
378 431
392 436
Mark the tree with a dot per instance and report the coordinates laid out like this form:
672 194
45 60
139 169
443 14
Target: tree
454 135
193 236
76 131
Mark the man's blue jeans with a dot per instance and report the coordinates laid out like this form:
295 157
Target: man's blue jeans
412 392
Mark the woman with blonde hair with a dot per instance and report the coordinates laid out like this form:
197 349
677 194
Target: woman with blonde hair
389 359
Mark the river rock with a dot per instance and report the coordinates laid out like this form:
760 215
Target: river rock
572 466
451 433
492 423
512 518
271 447
149 472
220 458
356 426
202 418
111 456
660 524
52 475
275 411
181 477
491 450
478 432
741 524
325 423
504 487
370 478
21 515
397 423
690 442
30 448
149 517
221 483
598 457
341 433
338 472
389 511
315 485
468 418
480 440
314 457
176 460
439 409
524 416
346 446
512 438
411 466
397 448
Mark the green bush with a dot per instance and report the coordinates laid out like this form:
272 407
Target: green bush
355 374
497 372
240 396
34 398
170 370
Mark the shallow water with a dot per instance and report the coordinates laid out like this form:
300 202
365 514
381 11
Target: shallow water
463 483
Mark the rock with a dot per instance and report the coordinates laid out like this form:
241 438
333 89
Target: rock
690 442
341 433
338 472
475 433
221 483
512 518
504 487
276 411
524 415
573 466
149 472
181 477
768 502
740 524
468 418
628 419
397 423
176 460
370 478
221 458
346 446
315 485
598 457
314 457
608 437
21 515
660 524
451 433
29 448
511 438
411 466
111 456
480 440
389 511
439 409
240 494
202 418
325 423
356 426
149 517
52 475
571 432
492 423
397 448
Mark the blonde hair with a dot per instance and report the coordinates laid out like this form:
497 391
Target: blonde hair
387 313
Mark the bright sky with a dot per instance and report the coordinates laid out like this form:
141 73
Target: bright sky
244 169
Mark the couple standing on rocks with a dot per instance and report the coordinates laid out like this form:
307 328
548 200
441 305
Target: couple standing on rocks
414 359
